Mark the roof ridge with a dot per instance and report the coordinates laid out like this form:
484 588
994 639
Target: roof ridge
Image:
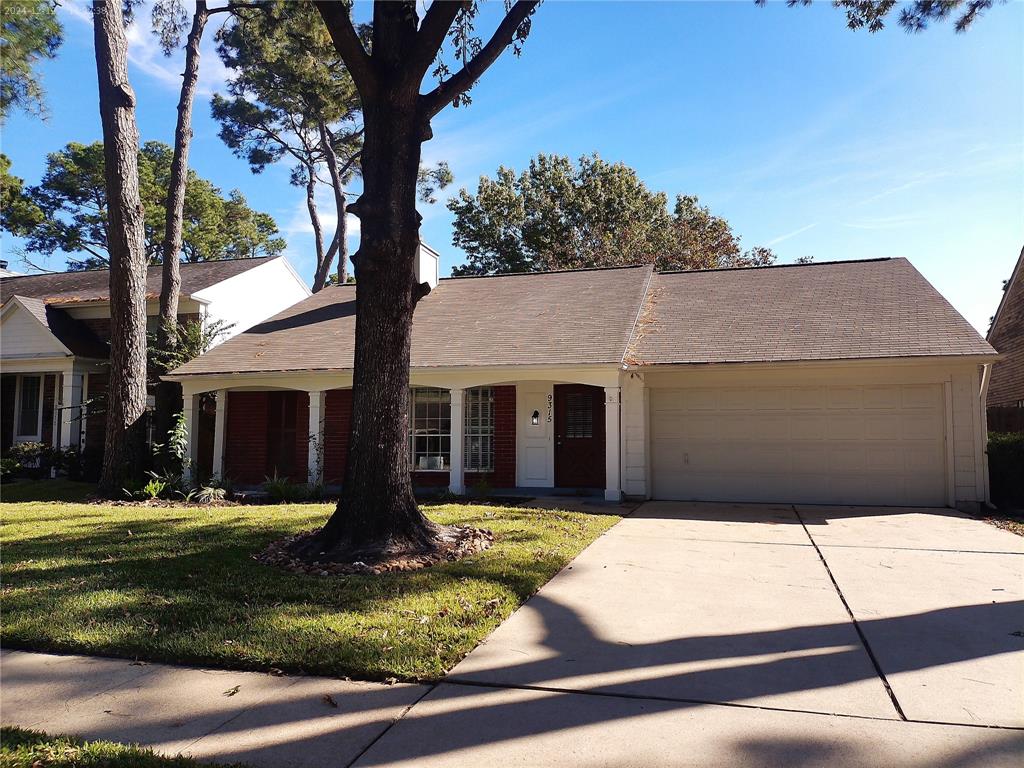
781 266
183 265
547 272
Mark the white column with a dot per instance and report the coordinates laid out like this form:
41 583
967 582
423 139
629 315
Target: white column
218 433
456 478
71 410
191 413
612 407
315 455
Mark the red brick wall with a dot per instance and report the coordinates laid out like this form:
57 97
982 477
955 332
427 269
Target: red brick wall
245 437
8 389
1006 387
337 423
96 423
100 326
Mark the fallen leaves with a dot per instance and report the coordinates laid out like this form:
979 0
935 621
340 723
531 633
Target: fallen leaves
232 691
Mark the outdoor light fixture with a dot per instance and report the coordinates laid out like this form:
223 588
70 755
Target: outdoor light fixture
535 419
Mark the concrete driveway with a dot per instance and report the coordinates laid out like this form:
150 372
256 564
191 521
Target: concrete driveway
718 634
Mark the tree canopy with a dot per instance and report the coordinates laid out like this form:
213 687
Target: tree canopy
73 200
563 215
31 32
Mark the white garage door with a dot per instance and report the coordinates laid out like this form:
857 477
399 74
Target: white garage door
824 444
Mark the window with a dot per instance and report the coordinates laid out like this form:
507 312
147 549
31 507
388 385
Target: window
479 432
430 428
29 408
579 415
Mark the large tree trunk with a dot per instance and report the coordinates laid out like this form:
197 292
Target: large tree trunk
168 393
318 230
339 245
126 396
377 510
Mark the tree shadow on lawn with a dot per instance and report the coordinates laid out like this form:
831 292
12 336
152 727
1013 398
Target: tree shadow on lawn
182 589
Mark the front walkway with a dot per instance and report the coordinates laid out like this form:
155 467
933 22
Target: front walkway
689 634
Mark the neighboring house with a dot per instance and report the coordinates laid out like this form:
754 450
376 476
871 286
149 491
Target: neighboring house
55 332
839 383
1006 388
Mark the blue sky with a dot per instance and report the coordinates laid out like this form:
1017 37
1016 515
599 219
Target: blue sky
809 138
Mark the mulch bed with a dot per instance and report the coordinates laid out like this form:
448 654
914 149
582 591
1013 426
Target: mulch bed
460 542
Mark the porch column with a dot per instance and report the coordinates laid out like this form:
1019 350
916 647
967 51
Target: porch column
190 410
456 480
71 410
612 408
221 396
315 455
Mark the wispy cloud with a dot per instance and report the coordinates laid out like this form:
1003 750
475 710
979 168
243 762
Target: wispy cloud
145 55
789 235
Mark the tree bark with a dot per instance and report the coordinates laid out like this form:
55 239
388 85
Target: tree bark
168 393
126 396
377 510
318 230
339 245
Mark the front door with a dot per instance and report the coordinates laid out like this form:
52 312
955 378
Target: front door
281 435
579 436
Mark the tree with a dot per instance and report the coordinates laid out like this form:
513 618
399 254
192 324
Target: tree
31 32
19 215
377 512
126 395
913 17
560 215
291 96
73 198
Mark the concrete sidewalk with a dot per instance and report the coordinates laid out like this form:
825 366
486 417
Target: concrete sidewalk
688 635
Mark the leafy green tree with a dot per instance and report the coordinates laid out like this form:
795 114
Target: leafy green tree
72 196
913 16
31 32
561 215
19 215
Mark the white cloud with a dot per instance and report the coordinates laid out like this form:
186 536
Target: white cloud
144 52
788 235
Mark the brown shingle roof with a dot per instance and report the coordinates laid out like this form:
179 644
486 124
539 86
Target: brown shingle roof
826 311
93 284
555 318
866 309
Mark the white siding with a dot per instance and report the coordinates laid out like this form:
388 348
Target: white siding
634 435
253 296
22 335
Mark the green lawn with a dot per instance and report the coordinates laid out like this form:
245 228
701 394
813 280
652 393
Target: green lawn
18 491
179 584
20 748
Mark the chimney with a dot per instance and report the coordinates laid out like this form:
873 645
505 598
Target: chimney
427 265
3 264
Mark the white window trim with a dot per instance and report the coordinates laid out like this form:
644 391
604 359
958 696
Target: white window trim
38 436
466 464
412 433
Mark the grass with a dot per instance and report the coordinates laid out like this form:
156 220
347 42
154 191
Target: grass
20 748
179 584
20 491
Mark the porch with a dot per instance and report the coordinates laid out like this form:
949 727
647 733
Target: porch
557 433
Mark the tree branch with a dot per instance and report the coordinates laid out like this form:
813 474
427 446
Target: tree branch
435 25
346 41
460 82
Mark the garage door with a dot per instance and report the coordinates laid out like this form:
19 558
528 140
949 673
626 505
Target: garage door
825 444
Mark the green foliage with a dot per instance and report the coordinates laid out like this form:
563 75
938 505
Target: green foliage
19 215
1006 468
207 494
281 490
37 460
183 587
31 32
8 467
915 16
561 215
192 339
20 747
73 200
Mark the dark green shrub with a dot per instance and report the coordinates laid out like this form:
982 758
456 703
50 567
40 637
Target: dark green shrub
1006 468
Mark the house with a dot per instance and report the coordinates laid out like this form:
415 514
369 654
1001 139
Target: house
839 383
1006 388
55 331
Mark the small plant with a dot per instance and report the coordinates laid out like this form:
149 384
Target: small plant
482 488
9 467
282 490
207 494
154 488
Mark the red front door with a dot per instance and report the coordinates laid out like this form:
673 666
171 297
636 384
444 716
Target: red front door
281 436
579 436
